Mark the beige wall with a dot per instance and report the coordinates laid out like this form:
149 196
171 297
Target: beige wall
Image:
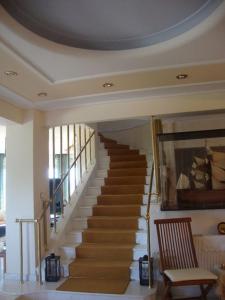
11 112
116 110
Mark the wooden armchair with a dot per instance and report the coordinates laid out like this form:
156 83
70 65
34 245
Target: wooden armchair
178 258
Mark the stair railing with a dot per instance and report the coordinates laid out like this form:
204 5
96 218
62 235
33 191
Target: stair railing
67 175
42 220
147 218
37 232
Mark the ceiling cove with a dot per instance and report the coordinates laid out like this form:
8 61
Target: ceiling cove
109 25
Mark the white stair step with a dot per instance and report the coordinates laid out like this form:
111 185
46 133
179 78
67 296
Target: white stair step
102 173
148 171
93 191
65 267
102 152
99 181
134 268
143 210
68 250
146 190
89 200
79 223
84 211
142 223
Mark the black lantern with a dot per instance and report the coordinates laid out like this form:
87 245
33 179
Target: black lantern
52 268
143 270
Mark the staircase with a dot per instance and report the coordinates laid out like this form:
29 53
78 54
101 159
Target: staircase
109 233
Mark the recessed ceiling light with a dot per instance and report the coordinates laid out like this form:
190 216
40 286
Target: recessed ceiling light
108 84
182 76
10 73
42 94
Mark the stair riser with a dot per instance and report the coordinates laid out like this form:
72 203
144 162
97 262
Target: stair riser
128 164
76 237
118 190
121 190
100 237
113 224
125 180
115 146
122 198
99 272
81 223
122 152
70 252
128 157
105 253
120 202
112 211
134 269
127 172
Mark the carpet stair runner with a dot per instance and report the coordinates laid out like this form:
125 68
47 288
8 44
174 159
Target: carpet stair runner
103 259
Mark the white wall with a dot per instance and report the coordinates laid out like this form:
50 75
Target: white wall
19 195
138 137
26 177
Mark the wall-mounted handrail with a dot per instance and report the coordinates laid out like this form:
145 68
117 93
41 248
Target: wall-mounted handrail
42 218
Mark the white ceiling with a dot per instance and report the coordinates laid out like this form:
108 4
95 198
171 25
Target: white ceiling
73 76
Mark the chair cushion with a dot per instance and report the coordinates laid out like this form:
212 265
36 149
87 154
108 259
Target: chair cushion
189 274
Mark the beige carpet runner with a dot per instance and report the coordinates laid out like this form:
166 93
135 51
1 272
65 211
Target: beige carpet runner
103 259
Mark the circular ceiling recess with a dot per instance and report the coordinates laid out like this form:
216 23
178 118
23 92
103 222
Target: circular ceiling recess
109 24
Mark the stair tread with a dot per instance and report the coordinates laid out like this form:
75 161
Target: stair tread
113 217
112 206
101 263
104 245
108 230
119 206
120 195
124 185
94 285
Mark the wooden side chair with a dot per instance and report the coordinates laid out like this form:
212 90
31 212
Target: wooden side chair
178 259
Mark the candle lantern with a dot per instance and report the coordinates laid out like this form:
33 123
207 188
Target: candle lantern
52 268
143 270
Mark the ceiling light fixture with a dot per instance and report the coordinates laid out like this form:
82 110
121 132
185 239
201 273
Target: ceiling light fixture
10 73
182 76
42 94
108 84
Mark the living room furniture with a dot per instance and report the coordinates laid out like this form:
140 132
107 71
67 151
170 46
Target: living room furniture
178 259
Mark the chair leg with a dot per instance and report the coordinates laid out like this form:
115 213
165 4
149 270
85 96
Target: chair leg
167 293
205 290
